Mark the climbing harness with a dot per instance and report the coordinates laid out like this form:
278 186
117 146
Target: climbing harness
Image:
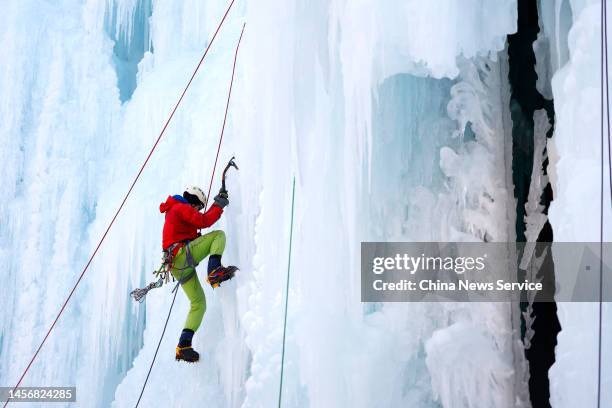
189 265
136 178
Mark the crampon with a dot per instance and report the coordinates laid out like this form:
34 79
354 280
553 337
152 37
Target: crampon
221 274
187 354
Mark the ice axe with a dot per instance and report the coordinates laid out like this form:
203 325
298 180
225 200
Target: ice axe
230 163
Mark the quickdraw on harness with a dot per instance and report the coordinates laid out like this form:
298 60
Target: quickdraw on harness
164 273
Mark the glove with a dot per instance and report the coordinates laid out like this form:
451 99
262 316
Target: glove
221 199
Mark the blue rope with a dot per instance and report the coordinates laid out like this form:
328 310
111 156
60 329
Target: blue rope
280 388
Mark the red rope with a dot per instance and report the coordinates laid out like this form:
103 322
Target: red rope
125 199
229 94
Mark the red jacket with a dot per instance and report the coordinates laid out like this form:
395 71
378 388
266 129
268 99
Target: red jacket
183 221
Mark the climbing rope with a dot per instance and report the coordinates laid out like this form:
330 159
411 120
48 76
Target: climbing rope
229 94
608 100
144 385
280 387
63 307
604 102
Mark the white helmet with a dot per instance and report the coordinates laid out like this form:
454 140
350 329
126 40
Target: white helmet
197 191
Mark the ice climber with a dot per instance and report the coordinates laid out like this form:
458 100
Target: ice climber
184 247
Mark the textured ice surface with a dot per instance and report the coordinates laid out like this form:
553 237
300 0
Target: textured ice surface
389 115
575 212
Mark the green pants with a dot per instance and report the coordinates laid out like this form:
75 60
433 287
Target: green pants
212 243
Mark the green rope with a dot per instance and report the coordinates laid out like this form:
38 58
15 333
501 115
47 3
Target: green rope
280 388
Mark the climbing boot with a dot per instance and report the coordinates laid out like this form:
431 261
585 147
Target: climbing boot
221 274
184 351
187 353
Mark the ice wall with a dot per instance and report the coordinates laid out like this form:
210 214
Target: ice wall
334 136
575 152
315 96
59 108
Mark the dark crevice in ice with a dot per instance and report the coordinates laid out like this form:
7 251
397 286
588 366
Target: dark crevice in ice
525 100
